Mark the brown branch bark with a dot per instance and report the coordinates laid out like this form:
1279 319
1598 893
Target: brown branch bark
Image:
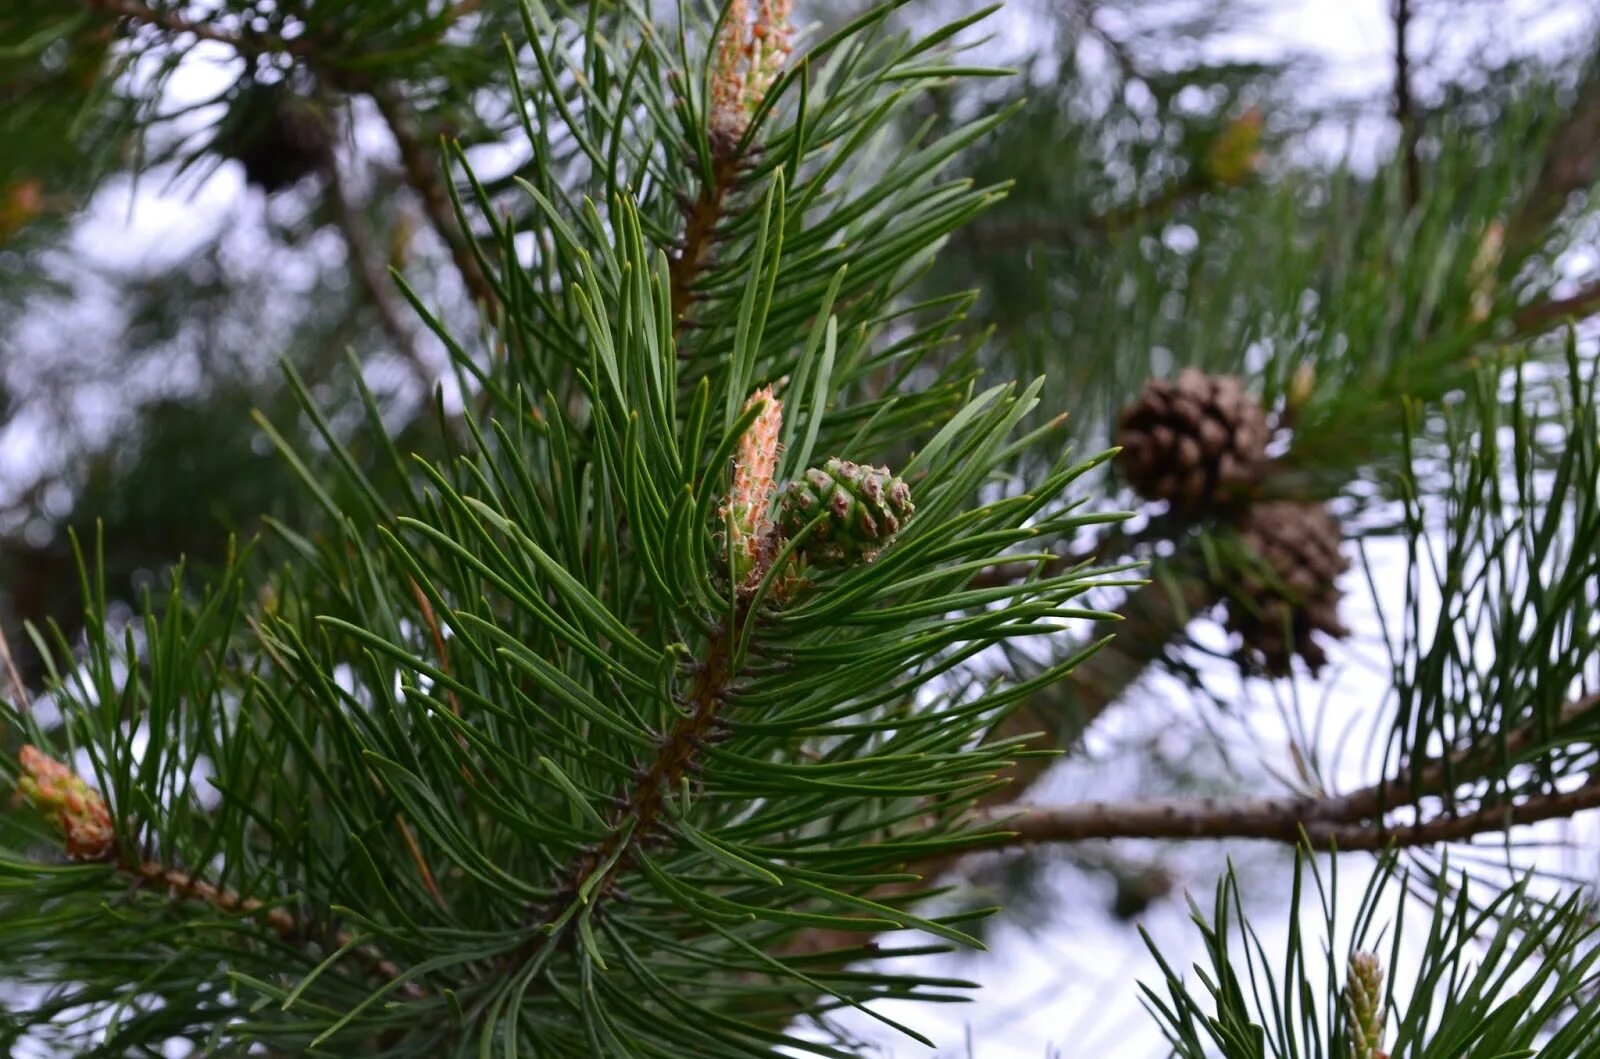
379 288
187 887
427 178
1325 824
1350 822
1340 819
637 818
702 215
1542 316
1571 164
1466 765
1404 104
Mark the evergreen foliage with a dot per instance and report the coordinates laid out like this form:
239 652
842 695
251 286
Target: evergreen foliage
633 686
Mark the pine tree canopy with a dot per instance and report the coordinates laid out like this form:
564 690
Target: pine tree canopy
609 575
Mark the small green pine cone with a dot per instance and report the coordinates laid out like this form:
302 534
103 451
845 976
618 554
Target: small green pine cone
866 507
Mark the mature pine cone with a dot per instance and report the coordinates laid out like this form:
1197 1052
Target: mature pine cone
1192 440
1286 590
278 135
866 507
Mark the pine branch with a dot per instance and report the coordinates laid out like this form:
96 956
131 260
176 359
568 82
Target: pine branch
417 161
19 689
1542 316
171 22
1350 821
1571 163
244 43
1464 766
1286 820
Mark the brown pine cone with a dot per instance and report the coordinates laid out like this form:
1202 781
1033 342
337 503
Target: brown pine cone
1193 441
1287 589
278 135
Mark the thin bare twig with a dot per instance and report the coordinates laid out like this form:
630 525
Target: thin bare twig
1287 820
19 690
171 22
1541 316
188 887
380 289
1404 103
427 177
419 860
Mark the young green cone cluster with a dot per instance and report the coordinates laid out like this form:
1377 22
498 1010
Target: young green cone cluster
862 510
848 512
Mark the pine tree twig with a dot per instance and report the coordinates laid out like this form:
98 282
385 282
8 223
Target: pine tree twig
1541 316
432 623
1286 820
1571 163
458 12
421 172
1404 103
245 44
1350 822
1343 819
1466 765
19 690
702 216
427 179
1114 46
188 887
421 862
379 288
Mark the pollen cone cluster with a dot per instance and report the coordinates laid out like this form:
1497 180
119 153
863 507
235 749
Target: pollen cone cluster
56 791
751 51
747 509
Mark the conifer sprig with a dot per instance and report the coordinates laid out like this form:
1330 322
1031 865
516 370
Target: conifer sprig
537 753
